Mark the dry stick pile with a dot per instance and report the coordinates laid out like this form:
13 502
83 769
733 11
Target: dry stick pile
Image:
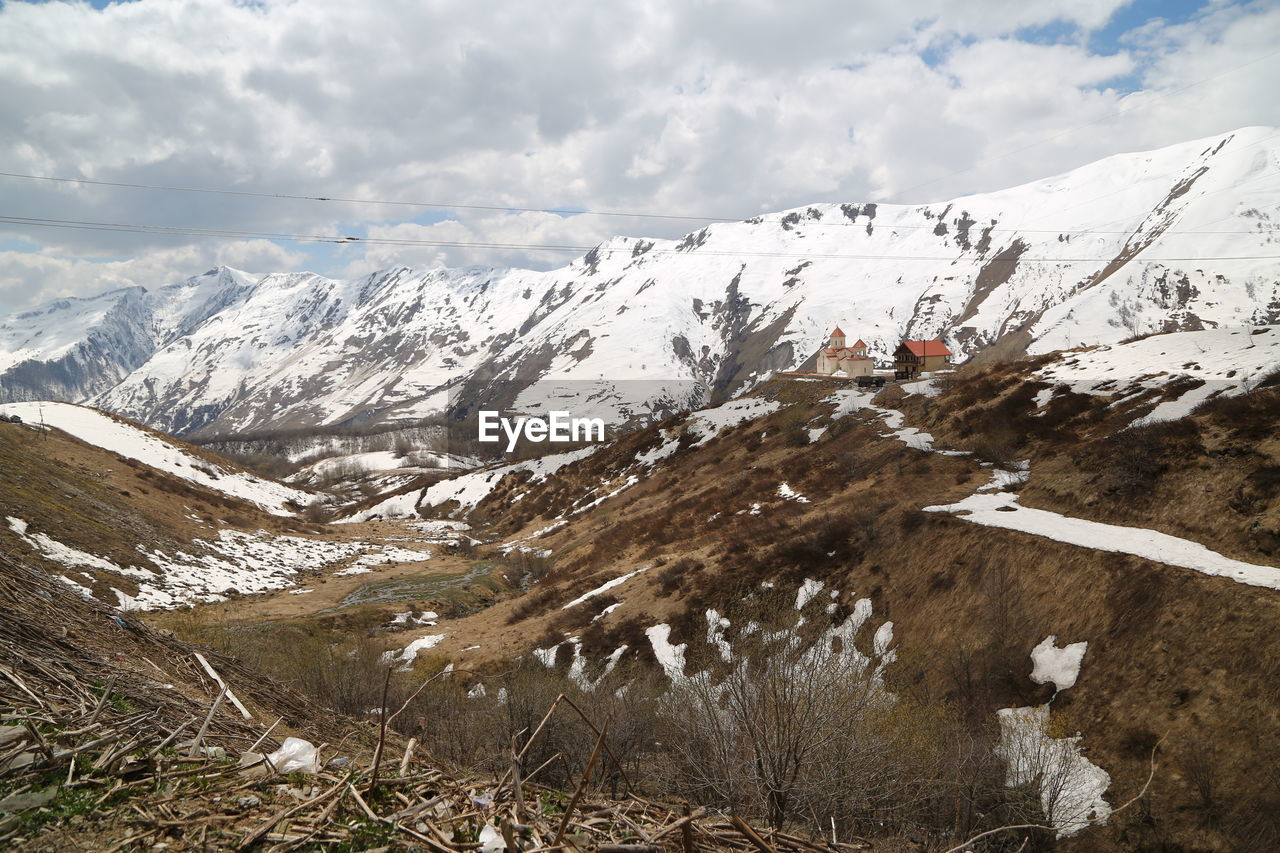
109 727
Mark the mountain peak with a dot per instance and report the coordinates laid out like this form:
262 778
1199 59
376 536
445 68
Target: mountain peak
1173 239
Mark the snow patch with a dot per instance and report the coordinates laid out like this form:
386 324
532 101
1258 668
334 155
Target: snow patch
1002 510
608 585
157 451
1058 665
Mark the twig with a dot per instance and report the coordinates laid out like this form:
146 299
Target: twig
231 697
259 741
751 835
582 786
408 754
382 732
351 789
517 785
607 750
262 830
204 727
170 739
102 701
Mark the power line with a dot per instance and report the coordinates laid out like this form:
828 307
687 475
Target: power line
773 217
393 202
189 231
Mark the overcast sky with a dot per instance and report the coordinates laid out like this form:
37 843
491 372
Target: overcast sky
723 108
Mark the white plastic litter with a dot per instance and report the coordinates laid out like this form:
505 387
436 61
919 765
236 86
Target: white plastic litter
295 755
491 840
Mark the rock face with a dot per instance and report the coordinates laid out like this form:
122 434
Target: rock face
1175 239
75 349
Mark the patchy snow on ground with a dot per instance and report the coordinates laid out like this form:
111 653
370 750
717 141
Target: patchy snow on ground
850 400
1071 786
354 570
606 611
708 423
670 657
929 387
237 562
157 451
669 444
785 491
605 587
409 618
1001 509
232 561
471 488
1058 665
1002 479
628 483
716 625
1228 361
54 551
807 592
386 554
378 463
404 505
407 655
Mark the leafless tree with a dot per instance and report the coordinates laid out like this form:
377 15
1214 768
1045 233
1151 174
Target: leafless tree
789 732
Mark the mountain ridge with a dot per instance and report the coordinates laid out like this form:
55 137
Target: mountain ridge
1166 240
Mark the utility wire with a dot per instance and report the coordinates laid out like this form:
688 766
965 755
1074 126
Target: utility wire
186 231
775 217
560 211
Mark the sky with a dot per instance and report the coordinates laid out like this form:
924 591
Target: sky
686 108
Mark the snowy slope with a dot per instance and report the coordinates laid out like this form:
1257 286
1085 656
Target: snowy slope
1094 256
1209 363
72 349
151 449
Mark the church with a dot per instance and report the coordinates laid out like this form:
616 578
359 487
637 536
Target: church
849 360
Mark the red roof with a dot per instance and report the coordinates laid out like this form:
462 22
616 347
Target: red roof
859 344
837 333
829 352
927 348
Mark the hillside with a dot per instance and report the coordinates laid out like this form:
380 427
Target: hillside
1175 239
133 519
1025 535
117 736
1022 592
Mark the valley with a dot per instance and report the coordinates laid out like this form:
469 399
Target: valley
1001 575
639 428
1079 535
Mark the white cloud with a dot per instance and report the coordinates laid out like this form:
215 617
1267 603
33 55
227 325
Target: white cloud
30 277
717 107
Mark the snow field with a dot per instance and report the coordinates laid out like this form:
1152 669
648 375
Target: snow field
96 428
1001 509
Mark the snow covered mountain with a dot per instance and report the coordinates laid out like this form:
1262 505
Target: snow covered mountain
1182 238
74 349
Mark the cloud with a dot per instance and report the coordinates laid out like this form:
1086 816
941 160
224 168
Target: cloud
711 108
28 278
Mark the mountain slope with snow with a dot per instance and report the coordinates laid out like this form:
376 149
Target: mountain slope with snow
1182 238
162 453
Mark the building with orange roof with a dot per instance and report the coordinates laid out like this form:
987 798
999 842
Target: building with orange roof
838 357
912 358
